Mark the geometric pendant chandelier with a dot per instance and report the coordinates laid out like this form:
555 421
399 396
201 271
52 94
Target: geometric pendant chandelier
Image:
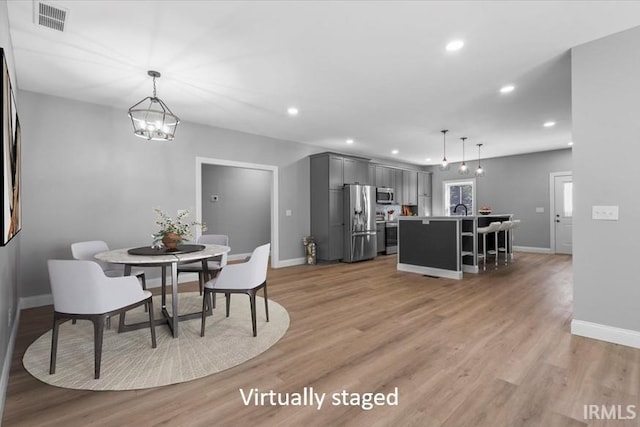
151 118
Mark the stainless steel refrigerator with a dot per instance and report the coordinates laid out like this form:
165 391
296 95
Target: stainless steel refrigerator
359 222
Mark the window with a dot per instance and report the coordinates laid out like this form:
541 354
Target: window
459 192
568 199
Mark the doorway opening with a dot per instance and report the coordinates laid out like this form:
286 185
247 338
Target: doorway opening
238 204
561 202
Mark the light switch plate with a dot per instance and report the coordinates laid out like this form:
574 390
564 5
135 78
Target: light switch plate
605 213
287 212
539 210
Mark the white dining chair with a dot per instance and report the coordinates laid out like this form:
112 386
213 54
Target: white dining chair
246 278
81 290
87 250
214 265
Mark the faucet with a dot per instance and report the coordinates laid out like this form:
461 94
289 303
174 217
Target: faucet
457 206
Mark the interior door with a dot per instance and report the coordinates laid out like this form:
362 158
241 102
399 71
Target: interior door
563 215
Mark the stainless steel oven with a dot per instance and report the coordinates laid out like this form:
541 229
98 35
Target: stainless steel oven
391 237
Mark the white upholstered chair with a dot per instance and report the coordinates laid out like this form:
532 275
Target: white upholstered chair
214 265
87 250
491 228
505 228
81 290
245 278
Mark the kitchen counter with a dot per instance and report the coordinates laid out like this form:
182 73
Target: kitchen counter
442 246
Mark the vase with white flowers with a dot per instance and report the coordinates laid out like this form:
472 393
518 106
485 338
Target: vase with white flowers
174 231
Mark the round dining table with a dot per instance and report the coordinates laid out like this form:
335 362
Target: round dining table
149 257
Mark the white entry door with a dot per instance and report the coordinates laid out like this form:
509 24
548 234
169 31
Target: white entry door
563 215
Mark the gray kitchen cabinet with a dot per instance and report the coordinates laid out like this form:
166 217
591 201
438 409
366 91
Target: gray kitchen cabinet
372 175
329 172
380 230
409 188
399 186
385 176
355 171
424 184
326 182
336 172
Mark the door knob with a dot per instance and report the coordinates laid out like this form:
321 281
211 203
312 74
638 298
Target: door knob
557 220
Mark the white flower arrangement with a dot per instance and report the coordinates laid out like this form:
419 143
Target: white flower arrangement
178 225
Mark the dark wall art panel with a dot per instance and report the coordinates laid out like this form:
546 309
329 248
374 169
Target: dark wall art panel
10 141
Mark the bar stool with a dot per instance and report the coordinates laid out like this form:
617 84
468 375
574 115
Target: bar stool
505 227
516 224
491 228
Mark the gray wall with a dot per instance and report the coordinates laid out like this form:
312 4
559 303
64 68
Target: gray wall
9 254
87 177
513 184
606 125
242 211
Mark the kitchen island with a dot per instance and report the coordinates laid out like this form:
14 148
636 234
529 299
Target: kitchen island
443 246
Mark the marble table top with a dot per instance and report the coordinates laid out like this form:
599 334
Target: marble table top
122 256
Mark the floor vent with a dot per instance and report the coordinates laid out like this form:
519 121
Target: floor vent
49 16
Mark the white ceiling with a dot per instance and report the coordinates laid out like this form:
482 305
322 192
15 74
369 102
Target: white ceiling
375 71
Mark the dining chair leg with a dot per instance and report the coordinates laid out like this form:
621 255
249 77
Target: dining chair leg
143 281
152 323
252 301
54 344
204 308
266 304
228 296
98 334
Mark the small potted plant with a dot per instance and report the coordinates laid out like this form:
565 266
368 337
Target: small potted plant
173 230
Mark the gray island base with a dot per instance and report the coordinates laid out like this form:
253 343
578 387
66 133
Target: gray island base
444 246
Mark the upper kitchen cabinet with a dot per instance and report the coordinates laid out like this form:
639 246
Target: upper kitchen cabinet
385 177
356 171
409 188
336 170
424 184
399 186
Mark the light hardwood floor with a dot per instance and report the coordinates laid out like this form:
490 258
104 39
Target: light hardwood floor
493 350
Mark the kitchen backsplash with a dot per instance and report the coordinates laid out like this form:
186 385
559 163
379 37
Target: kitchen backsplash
389 210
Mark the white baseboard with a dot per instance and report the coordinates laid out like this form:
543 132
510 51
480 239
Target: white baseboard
532 249
6 366
291 262
606 333
36 301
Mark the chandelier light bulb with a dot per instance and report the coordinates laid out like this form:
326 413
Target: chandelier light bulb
463 170
479 169
444 166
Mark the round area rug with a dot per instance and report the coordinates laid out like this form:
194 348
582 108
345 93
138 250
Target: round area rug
129 362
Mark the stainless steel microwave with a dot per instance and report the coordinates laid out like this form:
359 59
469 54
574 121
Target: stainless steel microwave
385 195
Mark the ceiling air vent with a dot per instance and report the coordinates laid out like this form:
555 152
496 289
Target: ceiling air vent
49 16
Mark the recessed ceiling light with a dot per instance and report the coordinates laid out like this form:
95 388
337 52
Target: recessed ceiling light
454 45
428 159
394 151
549 124
292 111
507 88
349 141
570 143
